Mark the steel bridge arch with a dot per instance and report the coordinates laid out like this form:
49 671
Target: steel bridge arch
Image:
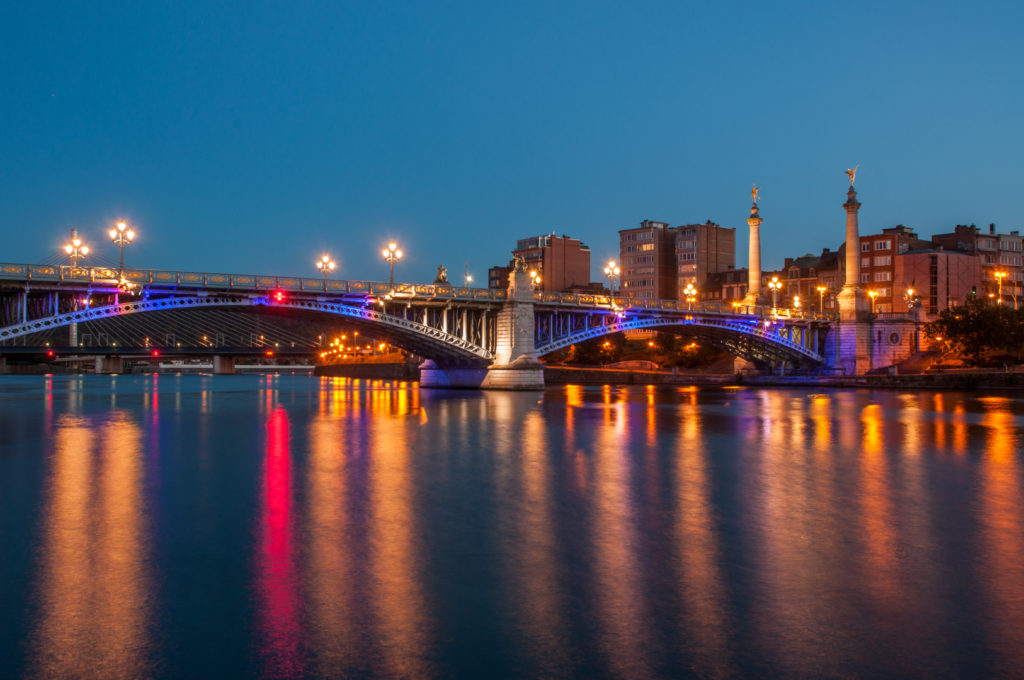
430 342
746 340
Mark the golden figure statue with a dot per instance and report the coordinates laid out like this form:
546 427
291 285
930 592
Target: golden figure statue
852 174
754 192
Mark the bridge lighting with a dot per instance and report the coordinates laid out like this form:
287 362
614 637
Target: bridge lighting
612 271
76 250
122 236
155 352
392 254
775 285
50 353
690 293
270 352
535 278
326 265
872 294
796 302
278 296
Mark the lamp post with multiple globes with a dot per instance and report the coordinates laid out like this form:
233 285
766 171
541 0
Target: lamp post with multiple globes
75 249
326 265
775 285
392 254
612 271
122 236
872 294
690 293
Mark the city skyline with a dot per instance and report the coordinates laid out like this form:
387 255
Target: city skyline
258 142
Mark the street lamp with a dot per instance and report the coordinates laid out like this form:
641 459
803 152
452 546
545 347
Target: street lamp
535 278
391 254
612 271
821 298
122 236
76 250
326 265
690 293
1000 275
872 294
796 302
774 285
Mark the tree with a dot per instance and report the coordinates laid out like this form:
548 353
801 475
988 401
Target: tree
979 328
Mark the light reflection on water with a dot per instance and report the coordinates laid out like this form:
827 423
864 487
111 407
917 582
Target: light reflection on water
355 527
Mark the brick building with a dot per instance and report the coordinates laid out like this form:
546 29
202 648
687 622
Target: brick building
562 262
996 253
648 261
701 250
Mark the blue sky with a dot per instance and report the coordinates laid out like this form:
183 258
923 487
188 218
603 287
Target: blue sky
252 136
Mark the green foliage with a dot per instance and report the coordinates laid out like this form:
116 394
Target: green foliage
979 331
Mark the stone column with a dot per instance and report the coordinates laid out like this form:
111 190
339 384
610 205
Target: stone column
754 255
853 303
854 335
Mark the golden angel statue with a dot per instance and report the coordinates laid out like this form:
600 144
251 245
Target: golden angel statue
852 173
754 192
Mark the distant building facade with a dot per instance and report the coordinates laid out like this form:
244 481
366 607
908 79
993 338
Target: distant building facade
563 263
996 253
648 261
701 250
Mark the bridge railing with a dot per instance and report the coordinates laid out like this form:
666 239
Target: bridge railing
619 303
218 281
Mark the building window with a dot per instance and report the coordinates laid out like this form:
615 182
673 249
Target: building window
647 246
883 276
883 261
865 278
883 245
865 262
865 246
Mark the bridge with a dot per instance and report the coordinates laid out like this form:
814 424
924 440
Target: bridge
467 336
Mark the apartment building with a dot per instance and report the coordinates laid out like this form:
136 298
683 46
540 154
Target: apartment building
998 253
701 250
648 261
563 263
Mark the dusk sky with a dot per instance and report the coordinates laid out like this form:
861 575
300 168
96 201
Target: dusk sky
253 136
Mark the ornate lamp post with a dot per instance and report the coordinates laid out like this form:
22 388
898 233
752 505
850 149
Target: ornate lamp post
872 294
326 265
392 254
75 249
796 303
535 279
690 293
821 298
612 271
774 285
122 236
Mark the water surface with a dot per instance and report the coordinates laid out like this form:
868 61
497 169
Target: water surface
280 526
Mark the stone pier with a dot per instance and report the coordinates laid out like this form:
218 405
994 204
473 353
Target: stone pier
515 365
223 365
109 365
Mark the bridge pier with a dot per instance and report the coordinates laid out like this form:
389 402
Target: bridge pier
223 365
109 365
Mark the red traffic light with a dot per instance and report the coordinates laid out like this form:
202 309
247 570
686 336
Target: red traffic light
278 296
270 352
50 353
155 352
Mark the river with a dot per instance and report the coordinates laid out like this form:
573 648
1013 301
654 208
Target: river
292 526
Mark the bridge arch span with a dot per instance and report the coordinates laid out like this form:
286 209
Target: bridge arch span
422 339
753 339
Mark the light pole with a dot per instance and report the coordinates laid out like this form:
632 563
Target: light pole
1000 275
796 303
122 236
872 294
466 276
326 265
612 271
392 253
821 298
774 285
690 293
535 279
75 249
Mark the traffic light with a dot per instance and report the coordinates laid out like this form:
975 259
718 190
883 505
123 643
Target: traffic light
277 296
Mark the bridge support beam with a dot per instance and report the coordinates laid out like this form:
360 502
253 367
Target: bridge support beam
109 365
223 365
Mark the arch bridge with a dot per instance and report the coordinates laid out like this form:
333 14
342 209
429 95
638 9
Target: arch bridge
469 330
